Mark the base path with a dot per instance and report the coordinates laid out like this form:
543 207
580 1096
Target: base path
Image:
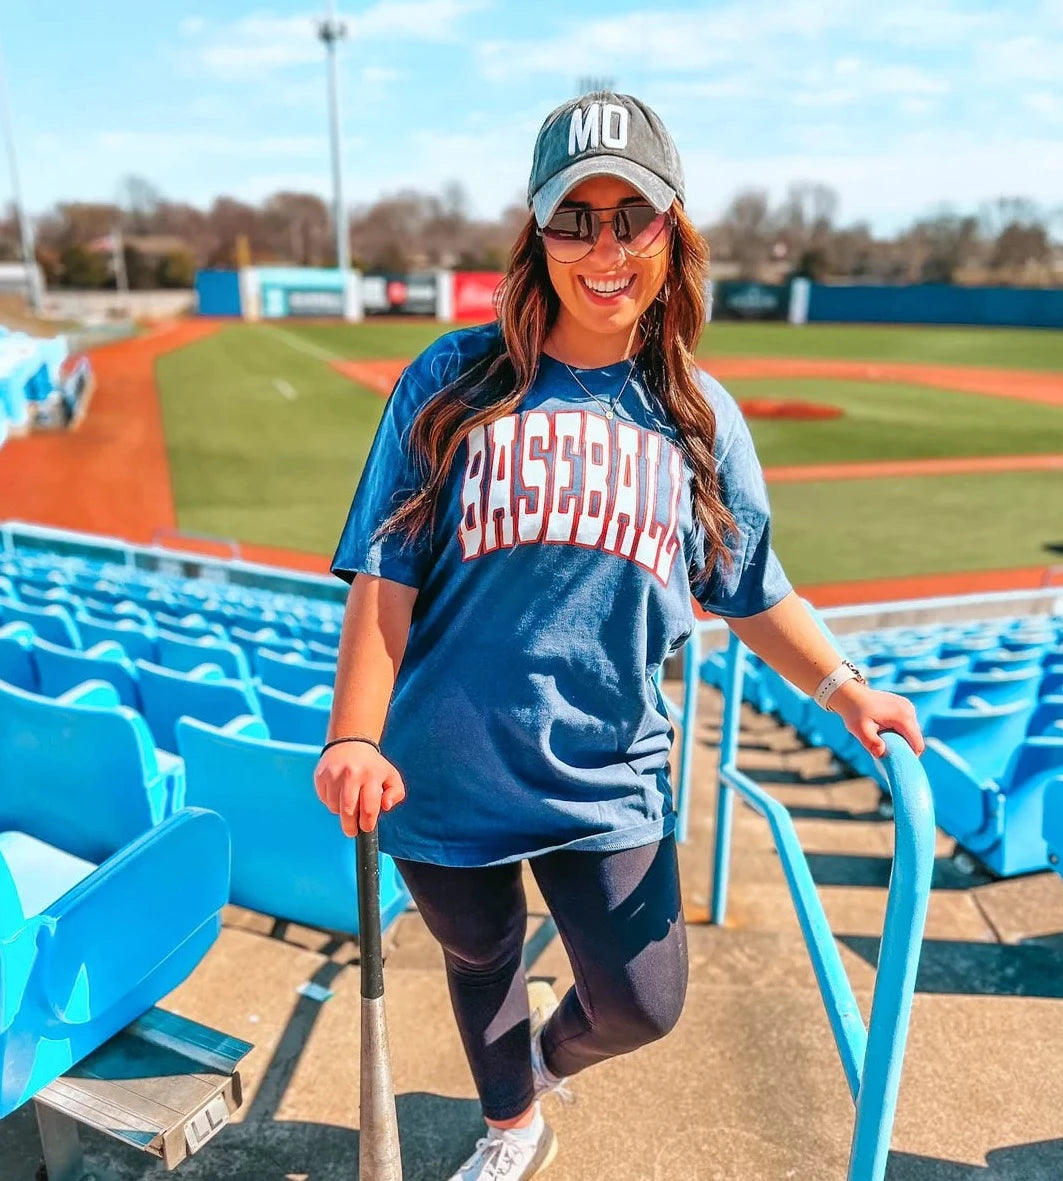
112 474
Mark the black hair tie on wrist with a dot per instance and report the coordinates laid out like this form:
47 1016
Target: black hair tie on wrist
351 738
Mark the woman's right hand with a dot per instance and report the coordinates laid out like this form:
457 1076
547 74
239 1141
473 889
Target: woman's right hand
356 782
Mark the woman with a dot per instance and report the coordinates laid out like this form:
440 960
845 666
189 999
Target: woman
541 500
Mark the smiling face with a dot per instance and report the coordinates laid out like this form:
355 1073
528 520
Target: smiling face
626 285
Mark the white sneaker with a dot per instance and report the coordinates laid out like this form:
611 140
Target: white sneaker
542 1001
504 1156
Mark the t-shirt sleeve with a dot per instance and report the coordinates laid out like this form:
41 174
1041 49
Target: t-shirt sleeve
391 474
756 580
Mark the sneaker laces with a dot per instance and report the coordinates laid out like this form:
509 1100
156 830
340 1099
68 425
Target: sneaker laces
495 1156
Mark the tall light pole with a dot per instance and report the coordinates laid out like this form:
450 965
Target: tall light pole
33 293
331 29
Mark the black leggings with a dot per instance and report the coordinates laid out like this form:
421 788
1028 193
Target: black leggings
620 918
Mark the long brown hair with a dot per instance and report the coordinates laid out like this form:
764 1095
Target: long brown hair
496 383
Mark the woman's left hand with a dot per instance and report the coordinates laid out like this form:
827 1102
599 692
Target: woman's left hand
866 711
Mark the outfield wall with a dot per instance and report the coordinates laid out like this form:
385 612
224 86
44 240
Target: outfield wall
468 297
937 303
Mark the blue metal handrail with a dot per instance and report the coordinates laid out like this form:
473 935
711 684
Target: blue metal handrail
871 1058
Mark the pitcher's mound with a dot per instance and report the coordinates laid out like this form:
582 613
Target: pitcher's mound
786 408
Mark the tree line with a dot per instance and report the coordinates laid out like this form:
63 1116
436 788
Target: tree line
157 242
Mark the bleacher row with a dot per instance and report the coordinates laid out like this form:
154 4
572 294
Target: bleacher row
40 384
989 699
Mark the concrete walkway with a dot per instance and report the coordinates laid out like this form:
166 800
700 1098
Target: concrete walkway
748 1088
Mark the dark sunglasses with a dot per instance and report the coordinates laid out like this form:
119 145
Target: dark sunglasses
571 234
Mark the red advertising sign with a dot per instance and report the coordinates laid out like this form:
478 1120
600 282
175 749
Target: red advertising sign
474 294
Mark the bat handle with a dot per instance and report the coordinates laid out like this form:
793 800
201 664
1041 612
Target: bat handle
369 942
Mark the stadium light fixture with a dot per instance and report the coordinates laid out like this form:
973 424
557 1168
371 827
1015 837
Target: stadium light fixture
29 254
331 29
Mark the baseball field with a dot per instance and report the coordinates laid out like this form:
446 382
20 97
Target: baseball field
943 472
267 429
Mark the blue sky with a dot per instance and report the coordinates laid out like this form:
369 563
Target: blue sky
902 106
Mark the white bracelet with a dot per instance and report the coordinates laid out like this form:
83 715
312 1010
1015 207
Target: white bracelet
846 671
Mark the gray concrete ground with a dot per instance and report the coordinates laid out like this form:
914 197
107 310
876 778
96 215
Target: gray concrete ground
747 1088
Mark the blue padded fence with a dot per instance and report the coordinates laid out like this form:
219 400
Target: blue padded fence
937 303
871 1057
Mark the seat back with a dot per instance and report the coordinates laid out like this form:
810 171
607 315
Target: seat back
1034 759
985 738
291 674
184 653
60 669
997 688
136 638
290 857
168 695
81 777
17 666
53 623
928 696
291 720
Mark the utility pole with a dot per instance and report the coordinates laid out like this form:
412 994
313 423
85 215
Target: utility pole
331 29
33 291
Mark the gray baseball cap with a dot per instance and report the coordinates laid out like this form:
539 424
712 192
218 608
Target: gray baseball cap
603 134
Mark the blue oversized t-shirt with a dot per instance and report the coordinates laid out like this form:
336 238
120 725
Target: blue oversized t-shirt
525 716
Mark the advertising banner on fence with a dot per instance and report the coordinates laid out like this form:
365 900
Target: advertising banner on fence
734 299
397 295
474 295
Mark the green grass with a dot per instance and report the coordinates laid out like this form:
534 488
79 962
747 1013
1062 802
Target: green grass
836 530
893 421
1010 348
249 463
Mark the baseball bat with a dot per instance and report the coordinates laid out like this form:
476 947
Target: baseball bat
379 1158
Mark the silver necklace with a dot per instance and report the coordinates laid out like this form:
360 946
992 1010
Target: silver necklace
590 393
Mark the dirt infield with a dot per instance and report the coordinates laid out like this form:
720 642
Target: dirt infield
1034 387
111 475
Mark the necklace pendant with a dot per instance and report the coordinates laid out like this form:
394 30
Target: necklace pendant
608 414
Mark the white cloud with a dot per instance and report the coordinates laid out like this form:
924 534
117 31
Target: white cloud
261 44
191 26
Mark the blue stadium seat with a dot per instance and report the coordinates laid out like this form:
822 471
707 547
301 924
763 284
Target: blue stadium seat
203 693
1000 821
984 736
1005 661
302 719
1046 721
1051 683
85 951
60 669
997 688
81 771
182 654
190 626
291 674
290 857
17 666
928 696
138 641
55 623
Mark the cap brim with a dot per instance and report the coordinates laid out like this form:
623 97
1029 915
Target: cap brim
649 184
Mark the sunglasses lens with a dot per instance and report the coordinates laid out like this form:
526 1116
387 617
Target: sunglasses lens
642 231
570 234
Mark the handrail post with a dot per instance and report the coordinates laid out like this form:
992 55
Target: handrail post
691 678
898 961
732 708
